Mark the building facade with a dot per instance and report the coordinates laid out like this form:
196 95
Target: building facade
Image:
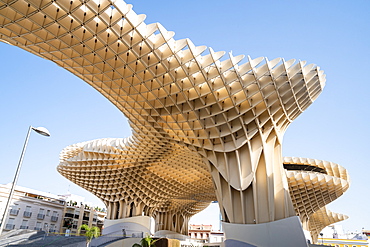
205 234
36 210
337 242
200 232
76 215
334 235
32 209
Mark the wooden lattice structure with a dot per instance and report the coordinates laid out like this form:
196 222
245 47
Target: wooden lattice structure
205 127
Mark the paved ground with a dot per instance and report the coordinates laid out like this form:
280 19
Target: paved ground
52 241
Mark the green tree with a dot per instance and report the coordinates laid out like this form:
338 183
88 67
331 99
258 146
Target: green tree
146 242
90 232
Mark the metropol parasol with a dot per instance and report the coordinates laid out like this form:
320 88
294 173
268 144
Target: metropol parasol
205 126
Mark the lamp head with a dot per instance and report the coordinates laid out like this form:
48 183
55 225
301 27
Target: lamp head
42 131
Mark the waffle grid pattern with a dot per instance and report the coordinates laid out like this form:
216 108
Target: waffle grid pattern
201 122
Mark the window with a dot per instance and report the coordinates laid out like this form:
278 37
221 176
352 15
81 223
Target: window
24 224
11 221
27 212
41 214
54 217
14 210
48 213
10 224
38 226
75 223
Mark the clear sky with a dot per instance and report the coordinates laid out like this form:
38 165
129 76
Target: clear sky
332 34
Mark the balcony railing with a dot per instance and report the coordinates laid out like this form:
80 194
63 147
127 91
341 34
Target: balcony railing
54 218
69 215
85 218
23 227
27 214
37 228
40 216
14 212
9 226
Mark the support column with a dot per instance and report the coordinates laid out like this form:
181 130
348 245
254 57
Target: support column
172 221
110 209
251 184
122 210
114 211
252 189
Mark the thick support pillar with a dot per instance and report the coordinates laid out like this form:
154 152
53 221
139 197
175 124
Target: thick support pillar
114 211
172 221
251 185
110 210
122 210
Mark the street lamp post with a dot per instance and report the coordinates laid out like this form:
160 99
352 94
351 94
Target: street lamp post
42 131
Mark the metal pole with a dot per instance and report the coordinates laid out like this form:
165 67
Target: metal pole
5 214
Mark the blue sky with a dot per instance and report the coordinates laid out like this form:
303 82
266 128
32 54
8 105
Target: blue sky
332 34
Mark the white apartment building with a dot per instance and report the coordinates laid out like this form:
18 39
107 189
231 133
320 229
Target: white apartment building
36 210
205 234
31 209
77 213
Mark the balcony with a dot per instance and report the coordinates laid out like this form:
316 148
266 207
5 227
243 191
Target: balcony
54 218
27 214
14 212
9 226
86 218
68 215
23 227
37 228
40 216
